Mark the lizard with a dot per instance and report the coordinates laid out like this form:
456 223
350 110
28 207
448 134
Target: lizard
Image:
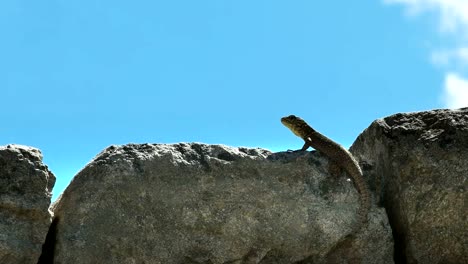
338 155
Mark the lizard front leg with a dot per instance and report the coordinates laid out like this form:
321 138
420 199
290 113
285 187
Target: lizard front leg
305 147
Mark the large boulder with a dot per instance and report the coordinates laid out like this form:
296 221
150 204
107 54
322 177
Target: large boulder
25 192
418 163
197 203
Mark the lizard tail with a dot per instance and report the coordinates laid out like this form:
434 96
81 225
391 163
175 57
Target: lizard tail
364 202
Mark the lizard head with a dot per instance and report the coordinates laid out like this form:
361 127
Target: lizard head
294 124
289 119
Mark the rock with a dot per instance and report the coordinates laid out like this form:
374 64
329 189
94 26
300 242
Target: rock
25 192
419 166
197 203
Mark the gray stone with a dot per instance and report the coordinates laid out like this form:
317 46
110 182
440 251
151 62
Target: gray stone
197 203
418 163
25 192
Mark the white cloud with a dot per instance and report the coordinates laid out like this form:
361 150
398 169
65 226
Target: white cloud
446 57
453 21
455 91
453 13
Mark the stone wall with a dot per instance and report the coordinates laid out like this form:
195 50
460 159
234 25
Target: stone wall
198 203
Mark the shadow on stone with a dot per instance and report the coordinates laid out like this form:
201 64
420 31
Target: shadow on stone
48 249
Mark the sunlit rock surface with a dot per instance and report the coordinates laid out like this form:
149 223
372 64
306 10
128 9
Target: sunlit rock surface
25 192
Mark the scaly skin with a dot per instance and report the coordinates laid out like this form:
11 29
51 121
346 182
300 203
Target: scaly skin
337 154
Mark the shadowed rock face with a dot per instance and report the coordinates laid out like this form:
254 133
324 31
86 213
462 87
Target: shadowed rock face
418 165
25 192
197 203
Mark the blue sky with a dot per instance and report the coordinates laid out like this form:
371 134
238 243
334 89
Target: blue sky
78 76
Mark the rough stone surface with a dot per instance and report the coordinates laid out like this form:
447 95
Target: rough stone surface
418 163
196 203
25 192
